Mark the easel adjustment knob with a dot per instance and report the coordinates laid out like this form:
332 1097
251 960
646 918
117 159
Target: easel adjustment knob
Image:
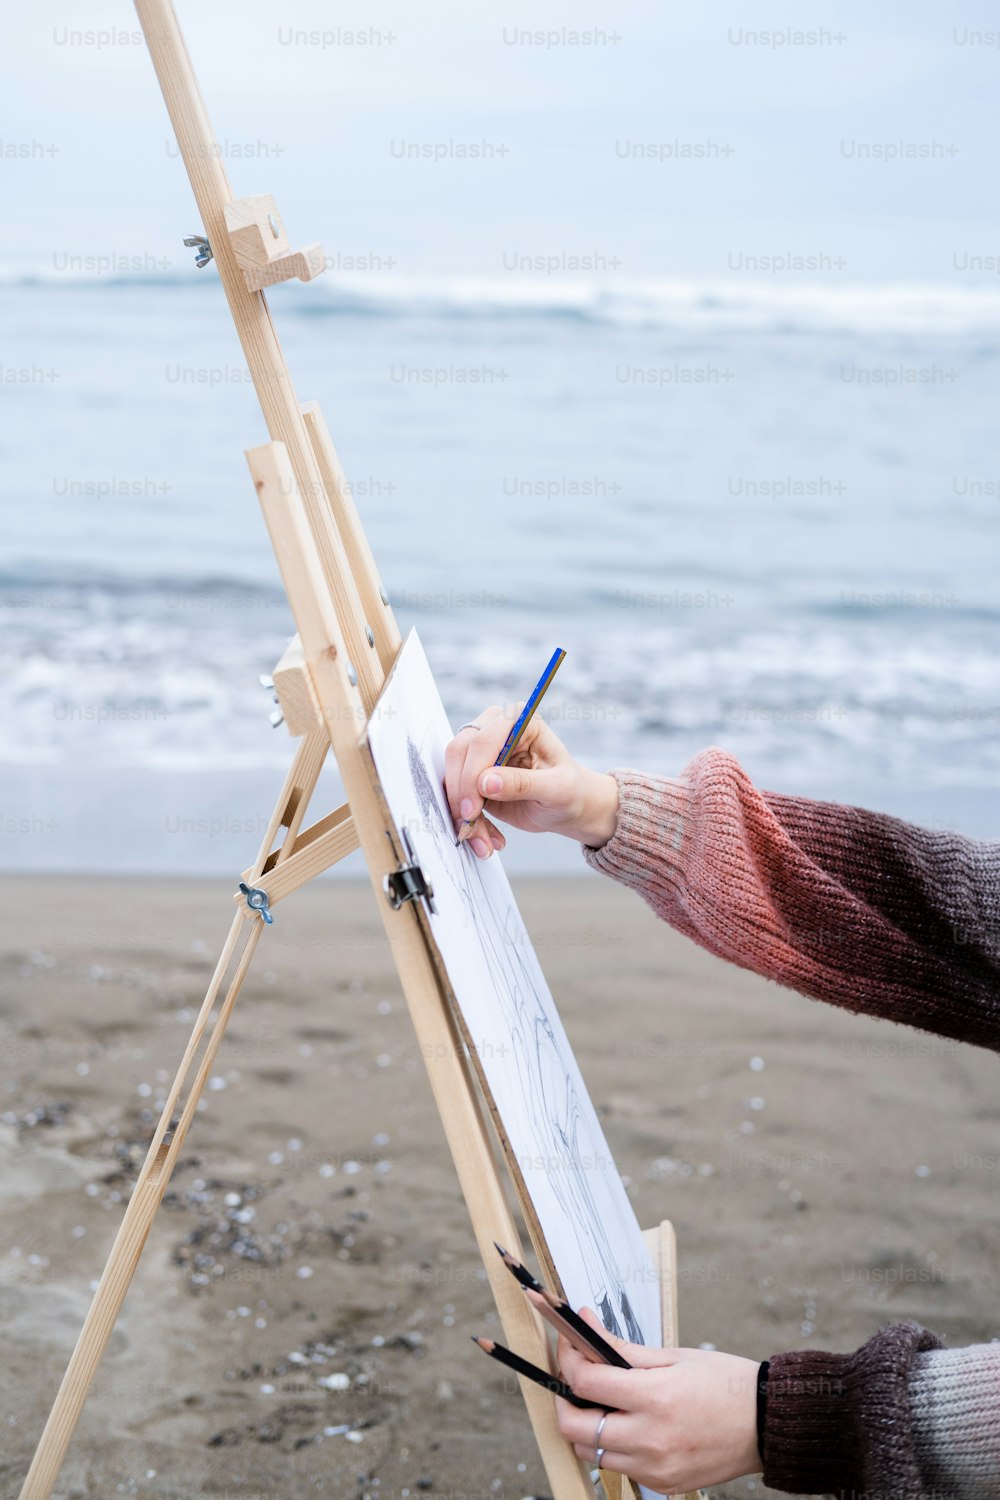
257 900
200 243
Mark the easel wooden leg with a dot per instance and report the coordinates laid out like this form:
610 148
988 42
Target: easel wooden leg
136 1224
168 1138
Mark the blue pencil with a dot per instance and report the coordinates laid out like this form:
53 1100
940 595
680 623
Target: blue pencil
510 743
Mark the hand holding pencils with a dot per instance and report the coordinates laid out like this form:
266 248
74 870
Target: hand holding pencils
561 1317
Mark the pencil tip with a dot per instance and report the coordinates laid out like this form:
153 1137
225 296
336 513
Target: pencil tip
499 1248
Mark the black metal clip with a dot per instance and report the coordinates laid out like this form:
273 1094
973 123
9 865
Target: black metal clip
408 882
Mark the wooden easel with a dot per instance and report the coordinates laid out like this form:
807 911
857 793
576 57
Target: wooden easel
327 683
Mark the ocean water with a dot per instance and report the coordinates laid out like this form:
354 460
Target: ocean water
764 517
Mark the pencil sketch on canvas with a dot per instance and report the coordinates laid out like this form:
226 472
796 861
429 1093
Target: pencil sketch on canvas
511 1019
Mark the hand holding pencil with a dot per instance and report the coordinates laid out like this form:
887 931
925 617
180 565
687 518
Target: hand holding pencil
541 788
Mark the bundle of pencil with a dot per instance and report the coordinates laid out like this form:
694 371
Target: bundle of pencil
560 1316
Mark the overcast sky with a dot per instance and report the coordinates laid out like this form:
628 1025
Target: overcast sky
788 133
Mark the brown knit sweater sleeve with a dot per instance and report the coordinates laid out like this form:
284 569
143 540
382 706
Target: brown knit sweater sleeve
842 1422
873 915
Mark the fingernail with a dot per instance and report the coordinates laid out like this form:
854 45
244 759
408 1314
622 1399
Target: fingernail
480 847
491 783
498 843
467 808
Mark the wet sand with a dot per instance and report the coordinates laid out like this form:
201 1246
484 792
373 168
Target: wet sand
300 1320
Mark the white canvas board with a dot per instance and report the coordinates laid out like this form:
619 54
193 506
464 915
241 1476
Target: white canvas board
584 1212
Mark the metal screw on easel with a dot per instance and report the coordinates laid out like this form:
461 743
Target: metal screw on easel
200 243
257 900
275 716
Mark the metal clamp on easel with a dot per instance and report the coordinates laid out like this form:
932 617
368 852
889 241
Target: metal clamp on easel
408 883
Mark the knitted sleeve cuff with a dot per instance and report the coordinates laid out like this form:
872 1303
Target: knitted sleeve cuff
840 1422
645 850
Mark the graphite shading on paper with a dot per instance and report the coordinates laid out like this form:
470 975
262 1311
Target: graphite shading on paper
511 1019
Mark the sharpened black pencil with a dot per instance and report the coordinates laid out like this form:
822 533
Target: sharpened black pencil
540 1377
590 1336
515 1267
600 1345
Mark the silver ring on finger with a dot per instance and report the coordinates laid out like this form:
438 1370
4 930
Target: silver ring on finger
598 1450
477 727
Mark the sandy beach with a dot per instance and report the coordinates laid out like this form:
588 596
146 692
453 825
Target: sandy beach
300 1320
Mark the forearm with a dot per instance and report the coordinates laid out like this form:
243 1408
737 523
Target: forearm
849 907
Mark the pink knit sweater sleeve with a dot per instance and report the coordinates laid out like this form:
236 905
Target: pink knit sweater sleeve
848 906
874 915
